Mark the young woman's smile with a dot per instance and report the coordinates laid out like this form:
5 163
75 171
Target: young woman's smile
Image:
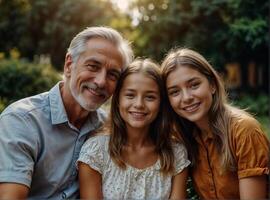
190 94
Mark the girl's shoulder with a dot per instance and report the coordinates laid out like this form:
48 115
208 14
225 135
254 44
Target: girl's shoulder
180 157
97 142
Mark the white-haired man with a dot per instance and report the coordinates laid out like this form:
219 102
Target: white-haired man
41 136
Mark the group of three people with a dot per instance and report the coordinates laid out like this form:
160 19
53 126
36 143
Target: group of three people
165 123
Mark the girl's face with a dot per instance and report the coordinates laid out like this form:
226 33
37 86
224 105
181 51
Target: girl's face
190 94
139 101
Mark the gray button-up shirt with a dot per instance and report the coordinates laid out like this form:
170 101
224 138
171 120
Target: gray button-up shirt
39 147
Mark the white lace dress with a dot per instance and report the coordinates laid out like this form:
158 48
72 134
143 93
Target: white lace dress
131 183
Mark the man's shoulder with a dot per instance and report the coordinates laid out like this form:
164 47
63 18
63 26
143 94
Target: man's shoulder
27 105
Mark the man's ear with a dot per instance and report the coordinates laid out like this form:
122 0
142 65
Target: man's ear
67 66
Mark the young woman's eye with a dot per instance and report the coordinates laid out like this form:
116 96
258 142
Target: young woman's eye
194 85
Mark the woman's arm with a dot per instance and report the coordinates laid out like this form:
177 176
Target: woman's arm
90 182
253 188
179 185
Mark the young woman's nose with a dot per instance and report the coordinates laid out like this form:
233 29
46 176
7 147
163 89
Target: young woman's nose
186 95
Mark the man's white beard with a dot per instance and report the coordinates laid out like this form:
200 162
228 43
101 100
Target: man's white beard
78 96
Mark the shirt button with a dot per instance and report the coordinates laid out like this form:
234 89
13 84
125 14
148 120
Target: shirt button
64 196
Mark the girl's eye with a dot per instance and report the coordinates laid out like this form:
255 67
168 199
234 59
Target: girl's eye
150 98
129 95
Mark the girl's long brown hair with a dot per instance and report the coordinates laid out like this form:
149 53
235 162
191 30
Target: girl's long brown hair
159 133
219 114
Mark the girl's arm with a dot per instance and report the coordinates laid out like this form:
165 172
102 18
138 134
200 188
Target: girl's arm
90 182
253 188
179 185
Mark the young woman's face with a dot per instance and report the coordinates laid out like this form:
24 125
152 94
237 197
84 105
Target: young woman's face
139 101
190 94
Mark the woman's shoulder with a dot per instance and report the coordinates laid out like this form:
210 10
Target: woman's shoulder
243 122
240 117
245 127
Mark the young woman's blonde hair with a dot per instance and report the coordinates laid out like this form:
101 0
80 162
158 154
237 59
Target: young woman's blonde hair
159 133
219 113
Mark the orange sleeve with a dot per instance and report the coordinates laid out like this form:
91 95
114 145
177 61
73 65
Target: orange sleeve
251 148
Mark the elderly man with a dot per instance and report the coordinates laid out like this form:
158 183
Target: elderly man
41 136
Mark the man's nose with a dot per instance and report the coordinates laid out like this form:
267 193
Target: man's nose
100 78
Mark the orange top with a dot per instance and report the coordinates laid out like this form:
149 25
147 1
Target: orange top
250 149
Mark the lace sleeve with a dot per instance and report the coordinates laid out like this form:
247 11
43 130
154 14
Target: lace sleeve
181 157
92 153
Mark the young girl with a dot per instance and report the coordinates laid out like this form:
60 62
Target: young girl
136 160
229 152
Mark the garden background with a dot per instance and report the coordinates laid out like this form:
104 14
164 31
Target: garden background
232 34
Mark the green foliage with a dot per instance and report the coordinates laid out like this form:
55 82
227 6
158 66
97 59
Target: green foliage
191 194
223 31
13 21
19 79
46 27
258 105
265 122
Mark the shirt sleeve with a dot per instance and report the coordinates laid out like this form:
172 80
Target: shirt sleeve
181 158
92 153
17 149
251 149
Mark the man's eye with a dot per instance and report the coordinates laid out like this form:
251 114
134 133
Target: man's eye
113 76
92 67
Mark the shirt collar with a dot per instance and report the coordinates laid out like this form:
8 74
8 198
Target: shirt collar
59 115
58 112
199 137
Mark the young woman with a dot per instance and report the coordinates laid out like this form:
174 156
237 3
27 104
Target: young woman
228 149
136 160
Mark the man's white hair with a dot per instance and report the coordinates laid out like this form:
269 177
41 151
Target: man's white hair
78 43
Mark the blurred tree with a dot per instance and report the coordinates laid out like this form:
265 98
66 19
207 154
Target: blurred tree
13 22
20 78
223 30
46 27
